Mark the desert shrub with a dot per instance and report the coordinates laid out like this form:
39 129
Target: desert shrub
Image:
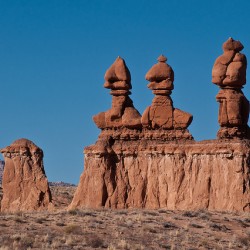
72 229
245 241
27 242
73 212
95 242
60 224
39 220
169 225
18 219
121 211
196 225
218 227
152 213
247 220
190 214
81 213
124 245
163 211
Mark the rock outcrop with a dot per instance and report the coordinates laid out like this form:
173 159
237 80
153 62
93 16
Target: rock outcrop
157 164
161 118
213 175
229 73
1 171
25 186
122 113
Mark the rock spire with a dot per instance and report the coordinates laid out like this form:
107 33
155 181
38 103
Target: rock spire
170 122
122 113
229 73
25 186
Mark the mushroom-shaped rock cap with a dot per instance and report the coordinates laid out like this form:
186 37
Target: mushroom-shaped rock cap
231 44
22 145
118 71
160 71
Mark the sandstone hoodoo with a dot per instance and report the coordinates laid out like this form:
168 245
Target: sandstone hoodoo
169 122
229 73
25 186
122 113
156 163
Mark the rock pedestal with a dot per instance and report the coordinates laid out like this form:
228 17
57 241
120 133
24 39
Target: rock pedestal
229 73
25 186
122 113
161 117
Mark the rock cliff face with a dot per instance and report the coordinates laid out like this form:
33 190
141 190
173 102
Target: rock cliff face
213 175
25 186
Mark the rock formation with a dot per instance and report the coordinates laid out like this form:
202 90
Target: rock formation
229 73
25 186
1 171
122 113
213 175
161 116
159 165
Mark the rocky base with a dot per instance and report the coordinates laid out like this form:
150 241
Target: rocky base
213 175
234 132
150 134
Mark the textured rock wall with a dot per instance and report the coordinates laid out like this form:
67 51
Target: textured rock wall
1 171
213 175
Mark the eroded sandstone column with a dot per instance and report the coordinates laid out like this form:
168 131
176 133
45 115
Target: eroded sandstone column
161 119
229 73
120 124
25 186
122 113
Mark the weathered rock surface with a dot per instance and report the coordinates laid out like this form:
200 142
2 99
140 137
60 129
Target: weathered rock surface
229 72
122 112
1 171
213 175
158 164
25 186
162 114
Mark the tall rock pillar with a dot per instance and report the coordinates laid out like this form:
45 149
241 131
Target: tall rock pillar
25 186
161 119
229 73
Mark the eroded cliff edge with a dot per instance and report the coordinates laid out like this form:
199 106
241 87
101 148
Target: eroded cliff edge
213 175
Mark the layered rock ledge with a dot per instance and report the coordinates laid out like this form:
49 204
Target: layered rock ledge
184 175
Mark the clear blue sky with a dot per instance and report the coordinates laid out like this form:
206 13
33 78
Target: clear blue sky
53 56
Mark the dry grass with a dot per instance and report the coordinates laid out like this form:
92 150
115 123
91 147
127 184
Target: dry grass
123 229
62 196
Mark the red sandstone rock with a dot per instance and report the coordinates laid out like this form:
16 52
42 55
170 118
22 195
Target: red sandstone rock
122 112
211 175
25 186
161 114
229 72
160 71
118 71
160 166
231 44
229 69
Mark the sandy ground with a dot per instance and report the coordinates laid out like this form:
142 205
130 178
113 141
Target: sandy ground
122 229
